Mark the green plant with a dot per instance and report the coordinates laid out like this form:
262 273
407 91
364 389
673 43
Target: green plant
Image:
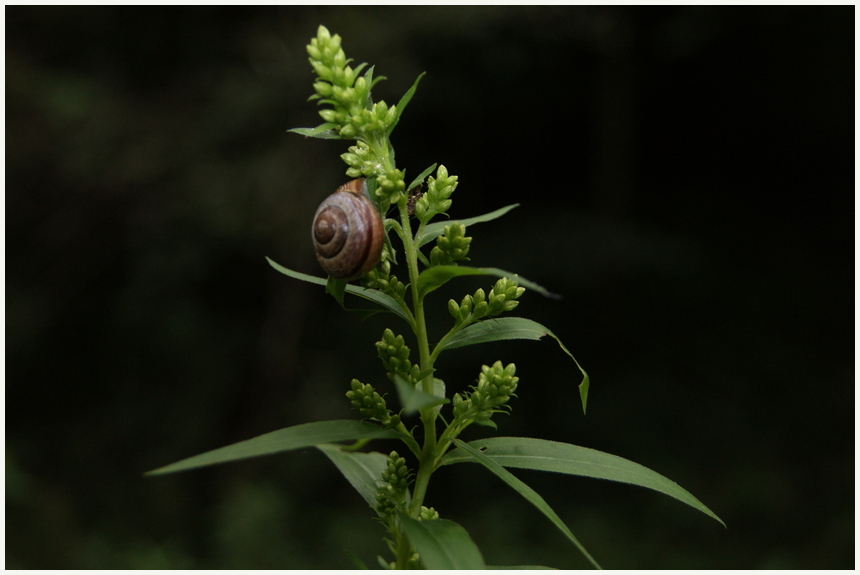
416 535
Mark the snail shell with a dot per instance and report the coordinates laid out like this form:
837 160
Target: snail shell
348 232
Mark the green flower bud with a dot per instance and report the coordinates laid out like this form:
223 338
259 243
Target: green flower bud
395 356
396 473
324 89
313 51
451 246
370 404
351 160
347 132
503 296
454 309
461 405
323 71
479 296
386 501
428 514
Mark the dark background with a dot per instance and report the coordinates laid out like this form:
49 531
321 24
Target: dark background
686 181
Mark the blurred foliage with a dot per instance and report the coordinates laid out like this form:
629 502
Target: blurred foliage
686 176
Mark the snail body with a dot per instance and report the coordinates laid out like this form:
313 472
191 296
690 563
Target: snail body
347 232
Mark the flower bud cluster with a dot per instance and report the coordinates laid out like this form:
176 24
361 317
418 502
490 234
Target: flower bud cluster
340 86
396 473
361 161
390 186
436 199
370 404
380 277
428 514
395 357
502 298
495 387
365 122
451 246
391 493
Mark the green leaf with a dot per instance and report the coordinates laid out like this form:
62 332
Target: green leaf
512 328
412 399
325 131
530 494
359 564
435 277
362 470
543 455
336 287
436 229
295 437
421 177
401 105
442 544
376 296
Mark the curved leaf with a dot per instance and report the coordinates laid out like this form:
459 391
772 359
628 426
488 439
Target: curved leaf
295 437
362 470
512 328
442 544
412 399
435 277
543 455
436 229
375 296
530 494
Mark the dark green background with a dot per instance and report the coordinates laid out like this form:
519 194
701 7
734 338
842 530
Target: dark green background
686 181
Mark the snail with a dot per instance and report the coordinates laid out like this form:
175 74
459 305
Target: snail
348 232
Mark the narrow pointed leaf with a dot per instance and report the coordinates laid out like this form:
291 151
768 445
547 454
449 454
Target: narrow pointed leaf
421 177
295 437
512 328
442 544
325 131
377 297
435 277
436 229
401 105
362 470
543 455
359 564
527 492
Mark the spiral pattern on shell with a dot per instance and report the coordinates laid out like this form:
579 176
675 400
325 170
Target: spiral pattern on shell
348 232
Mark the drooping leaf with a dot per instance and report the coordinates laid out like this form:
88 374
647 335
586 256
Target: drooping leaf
435 277
361 469
436 229
442 544
377 297
295 437
543 455
527 492
412 399
512 328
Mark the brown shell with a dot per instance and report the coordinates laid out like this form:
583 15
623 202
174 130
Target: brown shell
347 232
